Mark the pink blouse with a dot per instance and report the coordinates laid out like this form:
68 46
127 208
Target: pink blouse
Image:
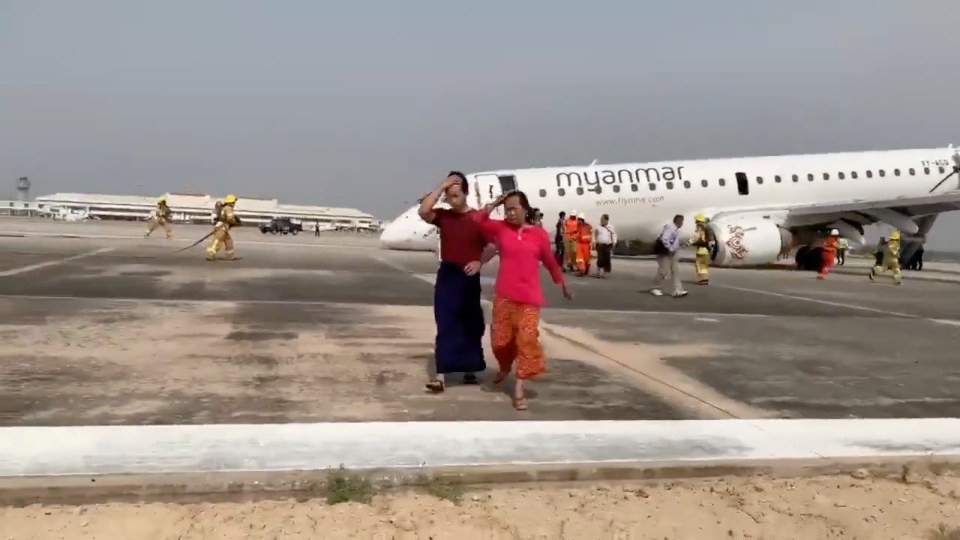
521 250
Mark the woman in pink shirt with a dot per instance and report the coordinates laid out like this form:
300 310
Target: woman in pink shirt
514 331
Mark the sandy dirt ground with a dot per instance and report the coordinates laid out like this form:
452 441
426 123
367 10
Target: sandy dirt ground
825 507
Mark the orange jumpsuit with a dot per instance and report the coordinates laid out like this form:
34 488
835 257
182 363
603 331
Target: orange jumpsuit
570 242
828 256
584 239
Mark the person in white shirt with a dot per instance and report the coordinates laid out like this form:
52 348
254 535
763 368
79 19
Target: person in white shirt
604 237
667 248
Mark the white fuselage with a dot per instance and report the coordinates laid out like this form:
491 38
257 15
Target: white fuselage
641 198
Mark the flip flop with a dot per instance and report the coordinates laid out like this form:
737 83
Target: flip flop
520 404
435 386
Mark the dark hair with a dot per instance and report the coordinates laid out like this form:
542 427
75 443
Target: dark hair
563 214
529 213
464 185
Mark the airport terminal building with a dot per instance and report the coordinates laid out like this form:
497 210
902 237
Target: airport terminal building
196 208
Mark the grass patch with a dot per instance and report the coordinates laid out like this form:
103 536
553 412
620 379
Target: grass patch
445 489
943 532
345 487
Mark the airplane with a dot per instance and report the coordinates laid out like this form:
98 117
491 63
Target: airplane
759 209
410 233
62 213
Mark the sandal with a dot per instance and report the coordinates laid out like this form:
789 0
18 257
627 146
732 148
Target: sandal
435 386
520 404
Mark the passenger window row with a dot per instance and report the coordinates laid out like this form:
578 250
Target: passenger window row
853 174
722 182
633 187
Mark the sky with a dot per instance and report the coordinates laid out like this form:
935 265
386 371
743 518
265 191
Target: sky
368 104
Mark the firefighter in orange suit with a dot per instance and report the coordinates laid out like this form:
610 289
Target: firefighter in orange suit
584 241
829 254
891 259
226 219
570 233
160 218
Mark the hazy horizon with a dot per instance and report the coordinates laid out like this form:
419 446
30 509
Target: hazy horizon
369 104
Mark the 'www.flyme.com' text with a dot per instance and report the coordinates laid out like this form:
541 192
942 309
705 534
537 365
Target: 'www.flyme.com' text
629 200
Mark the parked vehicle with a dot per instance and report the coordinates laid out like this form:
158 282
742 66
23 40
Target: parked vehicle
281 226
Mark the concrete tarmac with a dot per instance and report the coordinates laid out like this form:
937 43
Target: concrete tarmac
105 327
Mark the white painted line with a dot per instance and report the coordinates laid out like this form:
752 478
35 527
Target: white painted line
706 319
185 301
642 312
426 278
948 322
38 266
392 264
824 302
172 449
184 240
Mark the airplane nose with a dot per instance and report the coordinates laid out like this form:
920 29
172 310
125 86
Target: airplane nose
390 237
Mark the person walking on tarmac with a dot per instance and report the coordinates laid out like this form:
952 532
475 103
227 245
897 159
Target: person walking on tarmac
667 249
701 241
225 220
842 246
558 243
570 231
160 218
891 259
829 254
584 243
605 237
878 252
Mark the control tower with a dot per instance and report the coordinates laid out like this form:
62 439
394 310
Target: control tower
23 189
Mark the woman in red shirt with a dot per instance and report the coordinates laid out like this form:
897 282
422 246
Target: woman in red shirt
514 331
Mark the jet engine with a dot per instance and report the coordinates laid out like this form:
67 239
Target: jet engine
748 241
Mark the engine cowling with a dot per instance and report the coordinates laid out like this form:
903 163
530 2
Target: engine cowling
748 241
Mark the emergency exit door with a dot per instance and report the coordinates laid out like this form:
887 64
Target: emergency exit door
743 184
490 186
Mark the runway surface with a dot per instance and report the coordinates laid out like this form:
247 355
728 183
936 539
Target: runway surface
108 328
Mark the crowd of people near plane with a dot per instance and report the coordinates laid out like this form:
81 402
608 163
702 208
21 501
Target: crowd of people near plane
574 240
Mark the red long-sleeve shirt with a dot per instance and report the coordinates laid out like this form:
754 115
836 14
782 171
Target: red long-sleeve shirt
521 250
461 240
